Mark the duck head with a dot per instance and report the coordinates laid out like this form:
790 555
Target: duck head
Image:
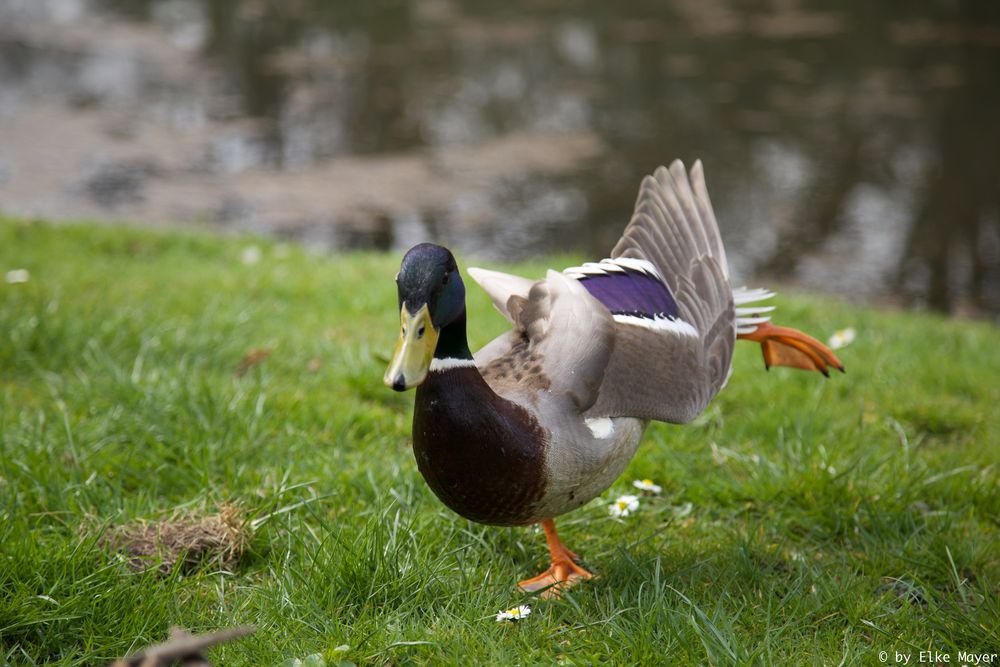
431 297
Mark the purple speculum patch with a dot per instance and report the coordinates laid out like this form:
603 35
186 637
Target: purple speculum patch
631 292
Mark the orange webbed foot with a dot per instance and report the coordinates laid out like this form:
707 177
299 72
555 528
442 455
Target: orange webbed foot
564 571
783 346
560 576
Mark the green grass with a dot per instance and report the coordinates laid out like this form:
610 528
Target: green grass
803 520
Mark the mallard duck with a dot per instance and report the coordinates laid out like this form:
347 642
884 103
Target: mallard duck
545 417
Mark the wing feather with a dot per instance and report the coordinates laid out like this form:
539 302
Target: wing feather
655 373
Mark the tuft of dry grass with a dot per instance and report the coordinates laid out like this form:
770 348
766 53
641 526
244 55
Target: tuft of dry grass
185 539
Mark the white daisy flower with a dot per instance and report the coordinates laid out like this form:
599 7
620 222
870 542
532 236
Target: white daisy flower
514 613
842 338
624 506
17 276
647 486
251 255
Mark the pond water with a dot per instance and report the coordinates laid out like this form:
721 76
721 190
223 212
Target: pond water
851 148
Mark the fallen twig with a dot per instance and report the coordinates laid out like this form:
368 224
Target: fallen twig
183 648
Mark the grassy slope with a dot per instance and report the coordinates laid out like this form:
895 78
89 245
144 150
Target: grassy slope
833 520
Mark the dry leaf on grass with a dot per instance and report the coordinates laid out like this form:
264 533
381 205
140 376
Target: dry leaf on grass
251 359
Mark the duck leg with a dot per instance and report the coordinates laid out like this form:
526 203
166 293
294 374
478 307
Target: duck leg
563 573
790 347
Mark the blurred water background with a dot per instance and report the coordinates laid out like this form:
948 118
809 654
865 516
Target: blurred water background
850 147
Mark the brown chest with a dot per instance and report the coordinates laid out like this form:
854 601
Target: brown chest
482 456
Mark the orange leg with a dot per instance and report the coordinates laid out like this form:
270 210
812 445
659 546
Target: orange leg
790 347
563 572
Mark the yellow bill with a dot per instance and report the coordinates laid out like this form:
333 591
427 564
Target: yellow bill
414 350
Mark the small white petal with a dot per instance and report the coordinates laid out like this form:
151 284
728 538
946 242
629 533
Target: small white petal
17 276
647 485
251 255
842 338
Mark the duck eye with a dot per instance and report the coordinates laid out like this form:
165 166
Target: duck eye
420 332
444 281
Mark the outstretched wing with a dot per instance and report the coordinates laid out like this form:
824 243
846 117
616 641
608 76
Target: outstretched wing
667 287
